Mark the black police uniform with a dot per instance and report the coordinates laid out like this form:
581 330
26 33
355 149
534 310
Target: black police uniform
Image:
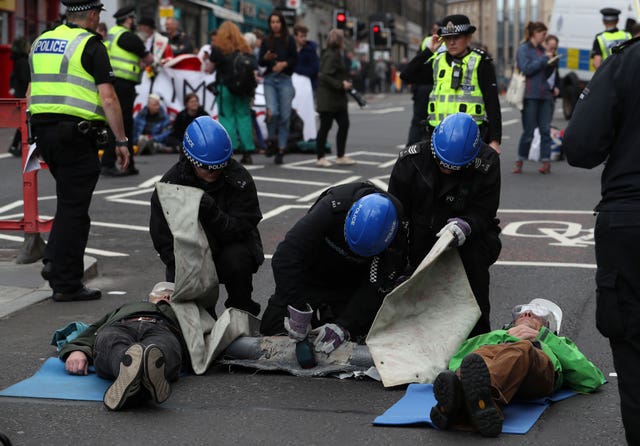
419 71
231 229
73 161
430 198
126 92
604 127
314 265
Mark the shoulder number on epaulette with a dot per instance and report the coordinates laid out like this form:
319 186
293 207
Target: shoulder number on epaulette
482 52
482 165
413 149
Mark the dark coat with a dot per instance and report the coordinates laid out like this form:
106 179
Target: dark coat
331 97
430 197
235 219
308 63
182 121
20 76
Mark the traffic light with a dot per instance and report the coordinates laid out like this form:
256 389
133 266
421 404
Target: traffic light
339 19
378 35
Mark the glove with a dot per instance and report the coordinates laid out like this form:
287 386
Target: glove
329 337
208 208
298 324
459 228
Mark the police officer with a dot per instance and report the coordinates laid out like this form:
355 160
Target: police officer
229 210
335 266
71 97
452 182
464 79
604 127
127 52
608 38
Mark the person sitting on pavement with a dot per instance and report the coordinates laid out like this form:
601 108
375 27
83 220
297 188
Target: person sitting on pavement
151 127
229 211
192 110
139 345
452 183
336 264
527 359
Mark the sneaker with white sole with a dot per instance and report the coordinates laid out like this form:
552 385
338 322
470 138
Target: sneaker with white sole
127 384
345 161
153 377
323 162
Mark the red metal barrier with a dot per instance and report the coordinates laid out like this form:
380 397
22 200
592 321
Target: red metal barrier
13 114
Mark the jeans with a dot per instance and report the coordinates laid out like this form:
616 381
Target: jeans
536 113
278 93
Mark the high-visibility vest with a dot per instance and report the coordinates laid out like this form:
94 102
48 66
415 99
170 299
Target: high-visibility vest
608 40
467 98
125 64
59 82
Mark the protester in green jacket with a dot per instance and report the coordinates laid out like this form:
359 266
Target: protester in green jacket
527 360
139 345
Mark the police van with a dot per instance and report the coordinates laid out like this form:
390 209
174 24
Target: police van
576 23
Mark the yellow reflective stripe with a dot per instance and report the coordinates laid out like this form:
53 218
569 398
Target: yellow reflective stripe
63 78
66 100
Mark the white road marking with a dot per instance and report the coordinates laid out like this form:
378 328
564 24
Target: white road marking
120 198
272 195
10 206
381 184
509 122
6 155
313 195
543 211
387 164
289 180
547 264
384 111
98 252
613 375
150 182
281 209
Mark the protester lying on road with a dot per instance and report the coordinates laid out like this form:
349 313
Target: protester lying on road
335 266
526 359
139 345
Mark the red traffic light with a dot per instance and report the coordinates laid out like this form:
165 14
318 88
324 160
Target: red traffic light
341 17
376 29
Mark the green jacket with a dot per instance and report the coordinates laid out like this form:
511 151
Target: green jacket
573 370
331 96
85 340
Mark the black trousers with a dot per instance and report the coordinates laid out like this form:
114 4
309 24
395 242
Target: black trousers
126 92
326 120
617 236
113 341
418 128
73 161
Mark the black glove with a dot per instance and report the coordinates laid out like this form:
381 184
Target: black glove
208 208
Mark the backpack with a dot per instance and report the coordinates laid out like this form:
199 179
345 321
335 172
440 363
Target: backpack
241 80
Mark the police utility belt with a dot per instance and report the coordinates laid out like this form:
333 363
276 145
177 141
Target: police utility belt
91 128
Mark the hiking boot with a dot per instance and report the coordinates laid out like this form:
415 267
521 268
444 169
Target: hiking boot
279 158
323 162
483 411
246 159
153 377
545 168
448 392
517 167
127 384
345 161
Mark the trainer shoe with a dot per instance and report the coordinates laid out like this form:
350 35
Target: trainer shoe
345 161
483 411
450 400
127 384
153 377
323 162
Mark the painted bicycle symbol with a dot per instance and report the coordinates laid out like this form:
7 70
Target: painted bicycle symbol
563 233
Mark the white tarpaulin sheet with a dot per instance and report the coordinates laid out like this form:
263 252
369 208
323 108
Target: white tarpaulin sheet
421 323
196 281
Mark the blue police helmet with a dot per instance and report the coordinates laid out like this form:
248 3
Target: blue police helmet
207 144
455 142
371 225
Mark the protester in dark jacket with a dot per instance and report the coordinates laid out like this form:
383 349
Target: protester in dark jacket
229 211
139 345
308 63
192 110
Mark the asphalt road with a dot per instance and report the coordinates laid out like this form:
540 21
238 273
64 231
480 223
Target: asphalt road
547 252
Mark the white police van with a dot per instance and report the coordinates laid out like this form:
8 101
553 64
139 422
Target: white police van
576 23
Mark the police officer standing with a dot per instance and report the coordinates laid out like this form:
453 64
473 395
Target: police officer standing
604 127
464 79
608 38
71 97
452 183
127 53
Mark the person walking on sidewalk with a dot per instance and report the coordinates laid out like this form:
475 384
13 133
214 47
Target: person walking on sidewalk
71 98
333 84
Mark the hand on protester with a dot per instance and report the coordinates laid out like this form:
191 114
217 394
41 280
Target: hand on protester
459 228
76 363
329 337
298 324
495 145
523 332
122 156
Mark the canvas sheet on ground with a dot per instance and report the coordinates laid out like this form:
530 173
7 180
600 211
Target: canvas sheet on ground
414 407
421 323
182 75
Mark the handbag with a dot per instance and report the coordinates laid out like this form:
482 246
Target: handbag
515 92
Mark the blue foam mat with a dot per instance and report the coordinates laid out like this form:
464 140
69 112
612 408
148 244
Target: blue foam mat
415 405
52 381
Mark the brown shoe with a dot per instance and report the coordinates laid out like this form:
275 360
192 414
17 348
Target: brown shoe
517 167
546 168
